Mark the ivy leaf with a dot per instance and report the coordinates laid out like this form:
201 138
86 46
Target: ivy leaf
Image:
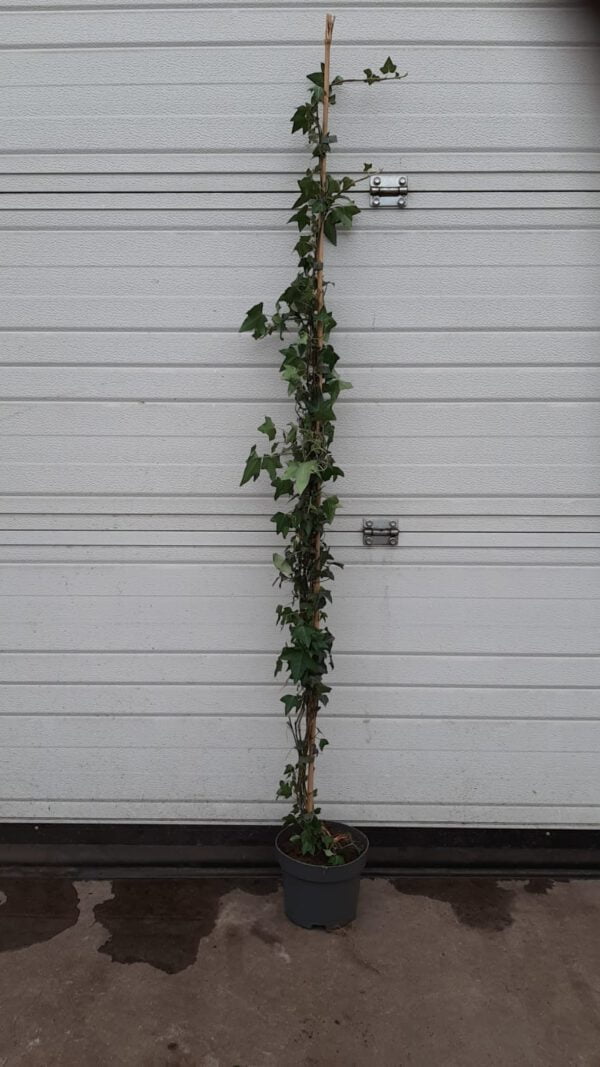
255 321
271 463
370 76
301 218
283 523
300 474
268 427
291 375
329 506
282 565
253 467
316 78
367 167
323 411
329 229
303 635
302 118
344 214
283 487
290 702
389 67
303 247
300 663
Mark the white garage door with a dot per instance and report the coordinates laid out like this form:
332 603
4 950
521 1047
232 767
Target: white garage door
147 170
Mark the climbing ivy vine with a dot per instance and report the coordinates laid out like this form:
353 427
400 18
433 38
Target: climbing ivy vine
298 458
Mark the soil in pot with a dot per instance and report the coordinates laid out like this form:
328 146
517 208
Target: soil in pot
349 849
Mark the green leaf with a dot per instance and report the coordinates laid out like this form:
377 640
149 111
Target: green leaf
283 523
291 702
303 246
329 228
282 565
329 506
300 663
283 487
300 474
268 427
301 119
389 67
253 467
316 78
322 412
367 167
290 374
344 213
370 76
302 635
301 218
271 463
255 321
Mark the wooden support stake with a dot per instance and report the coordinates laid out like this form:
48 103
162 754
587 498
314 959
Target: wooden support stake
312 710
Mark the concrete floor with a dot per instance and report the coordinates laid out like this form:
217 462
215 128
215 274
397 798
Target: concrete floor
435 973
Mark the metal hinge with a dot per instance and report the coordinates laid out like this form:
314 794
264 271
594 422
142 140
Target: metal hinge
388 190
380 532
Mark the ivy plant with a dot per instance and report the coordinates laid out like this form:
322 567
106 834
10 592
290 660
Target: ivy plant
297 458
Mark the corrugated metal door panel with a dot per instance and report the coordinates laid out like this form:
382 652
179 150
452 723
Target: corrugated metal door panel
144 181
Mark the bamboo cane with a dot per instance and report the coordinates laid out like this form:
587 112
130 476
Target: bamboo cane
311 724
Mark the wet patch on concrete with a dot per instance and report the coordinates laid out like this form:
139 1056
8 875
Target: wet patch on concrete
163 922
32 910
540 886
480 903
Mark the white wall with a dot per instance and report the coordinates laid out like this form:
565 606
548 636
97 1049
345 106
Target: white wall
146 173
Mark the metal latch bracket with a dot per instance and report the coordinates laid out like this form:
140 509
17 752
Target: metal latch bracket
388 190
380 532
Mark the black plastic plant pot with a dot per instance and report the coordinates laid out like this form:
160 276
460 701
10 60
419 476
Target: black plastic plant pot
315 895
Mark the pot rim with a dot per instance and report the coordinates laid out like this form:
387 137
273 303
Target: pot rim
341 867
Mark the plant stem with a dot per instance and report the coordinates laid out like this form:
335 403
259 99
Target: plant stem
313 706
